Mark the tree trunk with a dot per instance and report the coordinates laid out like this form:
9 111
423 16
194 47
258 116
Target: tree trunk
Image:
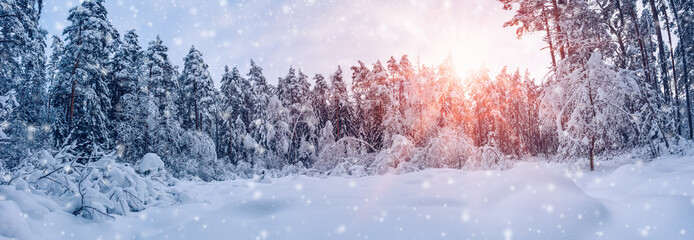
195 91
549 39
562 52
674 72
74 81
661 51
591 148
685 67
645 95
620 33
644 59
337 136
231 142
592 153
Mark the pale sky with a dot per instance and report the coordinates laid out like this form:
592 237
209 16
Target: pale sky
318 35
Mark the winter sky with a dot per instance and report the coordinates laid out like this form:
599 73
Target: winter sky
317 35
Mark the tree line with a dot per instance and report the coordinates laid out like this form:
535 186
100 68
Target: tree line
612 86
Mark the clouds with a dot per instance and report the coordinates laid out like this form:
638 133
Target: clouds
317 35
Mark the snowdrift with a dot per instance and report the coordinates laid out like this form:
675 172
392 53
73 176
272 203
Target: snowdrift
530 201
96 190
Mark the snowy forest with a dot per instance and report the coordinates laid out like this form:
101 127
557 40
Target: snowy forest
108 124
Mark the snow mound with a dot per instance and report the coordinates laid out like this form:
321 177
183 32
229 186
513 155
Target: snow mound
150 164
96 190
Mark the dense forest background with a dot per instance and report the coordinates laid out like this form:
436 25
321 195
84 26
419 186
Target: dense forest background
618 82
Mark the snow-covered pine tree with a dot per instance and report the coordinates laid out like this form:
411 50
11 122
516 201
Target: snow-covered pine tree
235 88
341 110
374 102
260 92
124 79
220 124
136 122
258 101
83 107
274 135
393 119
125 70
516 114
448 100
326 138
409 98
683 13
360 88
480 106
320 100
54 60
22 65
588 107
292 91
8 102
197 94
236 91
159 93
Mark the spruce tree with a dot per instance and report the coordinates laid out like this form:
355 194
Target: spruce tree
158 90
235 90
22 65
197 94
341 112
320 99
83 107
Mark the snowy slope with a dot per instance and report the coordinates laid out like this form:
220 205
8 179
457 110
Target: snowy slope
531 201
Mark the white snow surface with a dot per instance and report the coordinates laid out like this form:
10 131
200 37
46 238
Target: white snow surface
653 200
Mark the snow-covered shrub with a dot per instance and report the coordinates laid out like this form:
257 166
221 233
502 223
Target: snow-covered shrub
487 157
348 168
387 160
449 149
347 150
96 189
199 159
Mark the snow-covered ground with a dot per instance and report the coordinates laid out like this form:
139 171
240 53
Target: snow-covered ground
652 200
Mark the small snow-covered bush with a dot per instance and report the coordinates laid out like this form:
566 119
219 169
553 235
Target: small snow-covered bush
94 188
198 160
448 150
487 157
348 168
388 160
346 151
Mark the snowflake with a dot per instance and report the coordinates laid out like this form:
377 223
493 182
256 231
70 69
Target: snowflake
508 234
341 229
465 217
548 208
644 231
